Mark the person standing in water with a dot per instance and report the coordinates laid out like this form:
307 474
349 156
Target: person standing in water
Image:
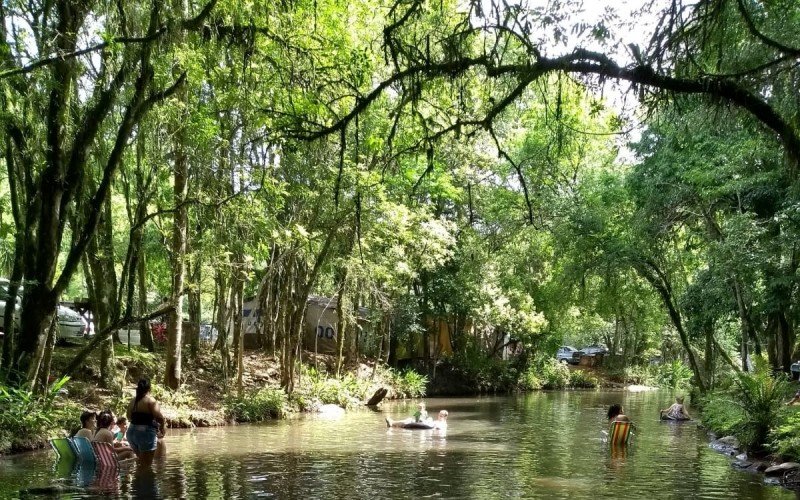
146 423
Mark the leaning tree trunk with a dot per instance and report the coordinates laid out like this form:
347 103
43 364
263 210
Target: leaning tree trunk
653 275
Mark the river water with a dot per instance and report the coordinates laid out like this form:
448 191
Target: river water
541 445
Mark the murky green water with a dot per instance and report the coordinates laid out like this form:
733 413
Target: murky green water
543 445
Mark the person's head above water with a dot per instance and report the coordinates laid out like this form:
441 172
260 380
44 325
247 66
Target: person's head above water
614 410
142 388
421 406
88 419
443 414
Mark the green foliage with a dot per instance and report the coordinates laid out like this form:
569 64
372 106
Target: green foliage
318 388
411 384
554 375
256 406
183 398
719 415
27 419
484 373
530 380
750 409
582 379
674 375
785 437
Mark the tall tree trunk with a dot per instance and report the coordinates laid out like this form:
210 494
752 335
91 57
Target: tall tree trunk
238 335
101 281
145 334
172 375
194 309
341 321
44 373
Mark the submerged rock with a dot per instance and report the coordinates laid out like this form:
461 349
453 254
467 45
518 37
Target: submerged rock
781 469
640 388
742 465
728 445
330 411
758 466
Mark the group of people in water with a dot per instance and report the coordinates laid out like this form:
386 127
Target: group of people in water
139 434
675 412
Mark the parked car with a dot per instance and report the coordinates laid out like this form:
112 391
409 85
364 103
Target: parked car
795 368
595 349
70 323
568 354
3 298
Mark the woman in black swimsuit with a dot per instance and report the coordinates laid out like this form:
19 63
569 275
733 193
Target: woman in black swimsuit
146 423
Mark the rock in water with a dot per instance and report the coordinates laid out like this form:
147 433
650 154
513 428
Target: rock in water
781 469
330 411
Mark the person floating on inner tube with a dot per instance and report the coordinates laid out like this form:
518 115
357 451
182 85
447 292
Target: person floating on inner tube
420 420
676 411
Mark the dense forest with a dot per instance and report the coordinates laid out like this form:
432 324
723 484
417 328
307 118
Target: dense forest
537 172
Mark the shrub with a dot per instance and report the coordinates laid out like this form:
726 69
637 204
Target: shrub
785 438
256 406
554 374
530 380
750 409
582 378
719 415
183 398
28 419
673 375
760 396
413 384
316 387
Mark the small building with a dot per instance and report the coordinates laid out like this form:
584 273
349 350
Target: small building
321 323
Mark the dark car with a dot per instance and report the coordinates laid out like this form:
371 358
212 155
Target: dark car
795 368
568 354
595 349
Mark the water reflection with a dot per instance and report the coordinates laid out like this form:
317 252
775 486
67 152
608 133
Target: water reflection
544 445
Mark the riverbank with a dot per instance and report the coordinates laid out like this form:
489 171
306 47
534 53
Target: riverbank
776 470
210 395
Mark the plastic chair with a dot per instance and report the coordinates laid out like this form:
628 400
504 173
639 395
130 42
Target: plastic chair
64 449
84 450
87 461
65 457
106 456
107 478
619 434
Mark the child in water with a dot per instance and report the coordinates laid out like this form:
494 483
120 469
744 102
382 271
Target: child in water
421 414
676 411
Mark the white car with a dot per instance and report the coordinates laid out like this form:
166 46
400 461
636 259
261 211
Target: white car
70 323
3 297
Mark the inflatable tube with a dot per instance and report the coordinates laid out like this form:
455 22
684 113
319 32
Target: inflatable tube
419 425
665 418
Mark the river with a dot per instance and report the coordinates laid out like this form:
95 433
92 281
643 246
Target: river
541 445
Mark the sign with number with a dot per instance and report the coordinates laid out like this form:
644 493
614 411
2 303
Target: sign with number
326 332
